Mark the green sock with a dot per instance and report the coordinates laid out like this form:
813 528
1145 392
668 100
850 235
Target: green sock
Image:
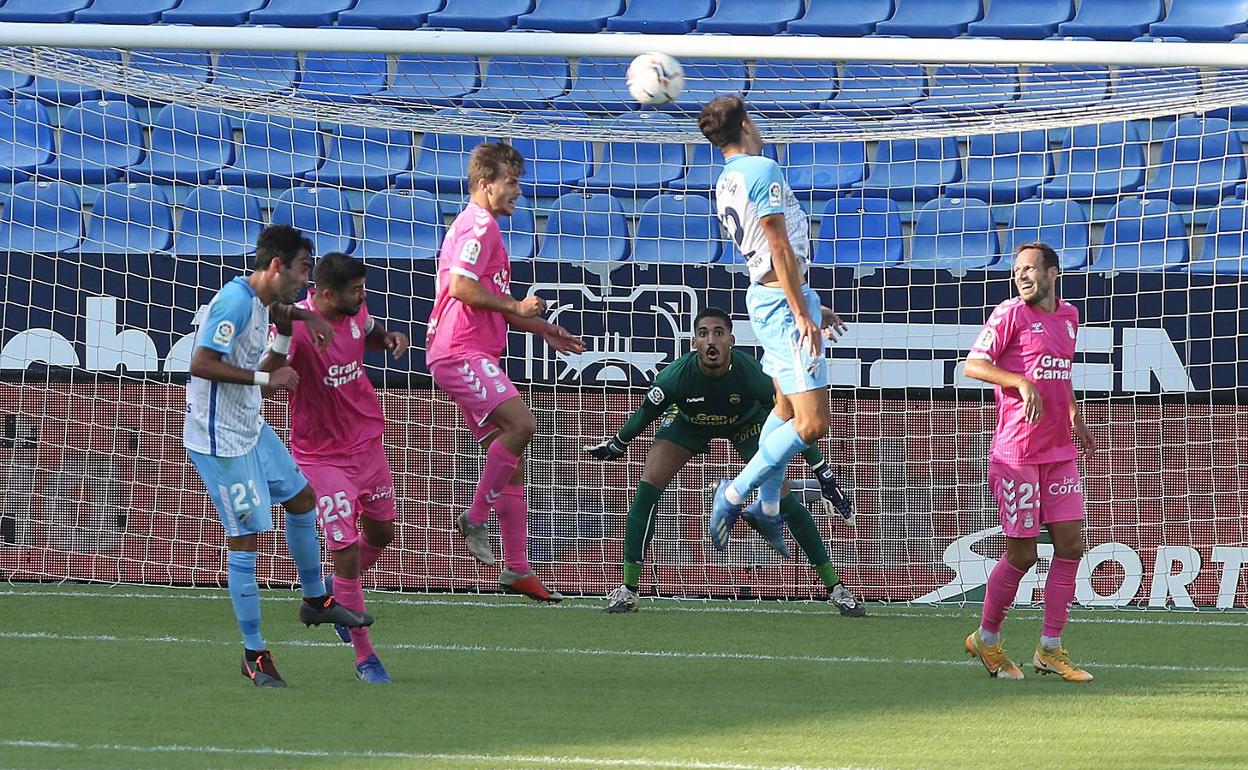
806 533
632 574
639 529
827 573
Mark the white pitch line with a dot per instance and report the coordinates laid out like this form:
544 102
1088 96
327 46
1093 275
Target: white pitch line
608 653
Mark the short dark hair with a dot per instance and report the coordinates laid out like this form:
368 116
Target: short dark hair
721 119
490 159
712 312
335 270
280 242
1051 259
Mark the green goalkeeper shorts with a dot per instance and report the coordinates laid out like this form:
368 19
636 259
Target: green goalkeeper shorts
697 439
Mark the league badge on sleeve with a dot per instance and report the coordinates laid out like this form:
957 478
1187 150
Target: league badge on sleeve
471 250
224 333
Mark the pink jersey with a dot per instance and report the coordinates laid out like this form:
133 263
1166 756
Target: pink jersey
473 247
334 411
1040 346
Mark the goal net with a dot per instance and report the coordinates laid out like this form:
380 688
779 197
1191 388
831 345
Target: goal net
137 178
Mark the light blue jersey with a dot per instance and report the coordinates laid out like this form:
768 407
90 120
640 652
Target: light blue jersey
749 188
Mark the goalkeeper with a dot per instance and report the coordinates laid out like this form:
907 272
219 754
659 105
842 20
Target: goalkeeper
715 392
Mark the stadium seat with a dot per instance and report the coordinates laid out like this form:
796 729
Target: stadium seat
629 169
26 140
390 14
751 17
913 169
421 79
679 229
441 164
212 13
218 221
841 18
601 85
67 93
552 166
322 214
1061 86
970 88
363 157
954 234
41 218
822 170
299 13
519 230
401 224
342 77
790 87
858 231
1225 249
123 11
1142 234
1004 168
11 81
41 11
1201 162
571 15
480 15
192 69
129 218
521 83
1022 19
189 145
1203 20
878 89
98 139
275 152
584 228
1112 19
1098 161
931 18
661 17
705 164
267 72
1133 85
1060 223
705 80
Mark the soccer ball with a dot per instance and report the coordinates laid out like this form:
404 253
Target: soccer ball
655 78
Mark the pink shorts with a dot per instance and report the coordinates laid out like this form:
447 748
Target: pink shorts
361 485
1032 495
478 386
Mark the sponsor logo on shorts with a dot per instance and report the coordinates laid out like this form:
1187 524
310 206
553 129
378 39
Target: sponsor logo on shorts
1068 485
224 333
380 493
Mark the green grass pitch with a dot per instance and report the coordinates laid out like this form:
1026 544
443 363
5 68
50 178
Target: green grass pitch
130 677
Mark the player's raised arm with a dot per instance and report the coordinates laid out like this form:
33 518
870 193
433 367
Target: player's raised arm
789 275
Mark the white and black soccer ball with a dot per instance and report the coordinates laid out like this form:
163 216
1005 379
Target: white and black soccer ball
655 78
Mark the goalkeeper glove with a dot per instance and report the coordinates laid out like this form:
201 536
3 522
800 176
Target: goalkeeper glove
610 449
834 498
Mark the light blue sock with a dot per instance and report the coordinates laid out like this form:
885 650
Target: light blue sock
305 549
773 454
769 490
245 596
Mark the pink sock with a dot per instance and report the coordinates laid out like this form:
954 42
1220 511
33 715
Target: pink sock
500 464
349 594
513 525
368 555
1002 588
1059 592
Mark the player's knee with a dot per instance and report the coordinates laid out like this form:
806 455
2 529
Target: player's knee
1070 551
303 502
811 427
524 429
1022 560
380 537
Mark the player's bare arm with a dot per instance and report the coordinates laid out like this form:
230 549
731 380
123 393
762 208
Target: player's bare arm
1082 434
471 293
986 371
787 274
559 338
380 339
207 364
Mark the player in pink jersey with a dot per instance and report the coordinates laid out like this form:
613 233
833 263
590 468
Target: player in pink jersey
467 333
1026 350
336 428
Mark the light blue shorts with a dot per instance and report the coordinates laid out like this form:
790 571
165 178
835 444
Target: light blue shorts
784 357
244 488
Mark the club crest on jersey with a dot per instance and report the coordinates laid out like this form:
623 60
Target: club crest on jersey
735 398
355 330
1070 329
1037 328
223 333
470 251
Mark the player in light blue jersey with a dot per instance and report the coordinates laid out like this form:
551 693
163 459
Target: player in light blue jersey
764 220
243 463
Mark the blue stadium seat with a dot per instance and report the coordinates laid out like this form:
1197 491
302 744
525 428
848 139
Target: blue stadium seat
976 88
859 232
41 218
571 15
98 139
791 86
1142 234
342 77
1112 19
552 167
1203 20
841 18
421 79
913 169
25 139
129 218
123 11
11 81
751 17
601 85
480 15
636 169
931 18
300 13
401 224
705 80
1225 249
212 13
822 170
390 14
1060 223
705 165
322 214
878 89
584 228
521 83
189 145
266 72
1004 168
275 152
519 230
1132 85
1201 162
192 68
1022 19
41 11
661 17
954 234
442 164
218 221
1061 86
677 228
1098 161
65 92
363 158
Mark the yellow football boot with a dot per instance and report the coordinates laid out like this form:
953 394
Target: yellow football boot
1057 661
993 657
